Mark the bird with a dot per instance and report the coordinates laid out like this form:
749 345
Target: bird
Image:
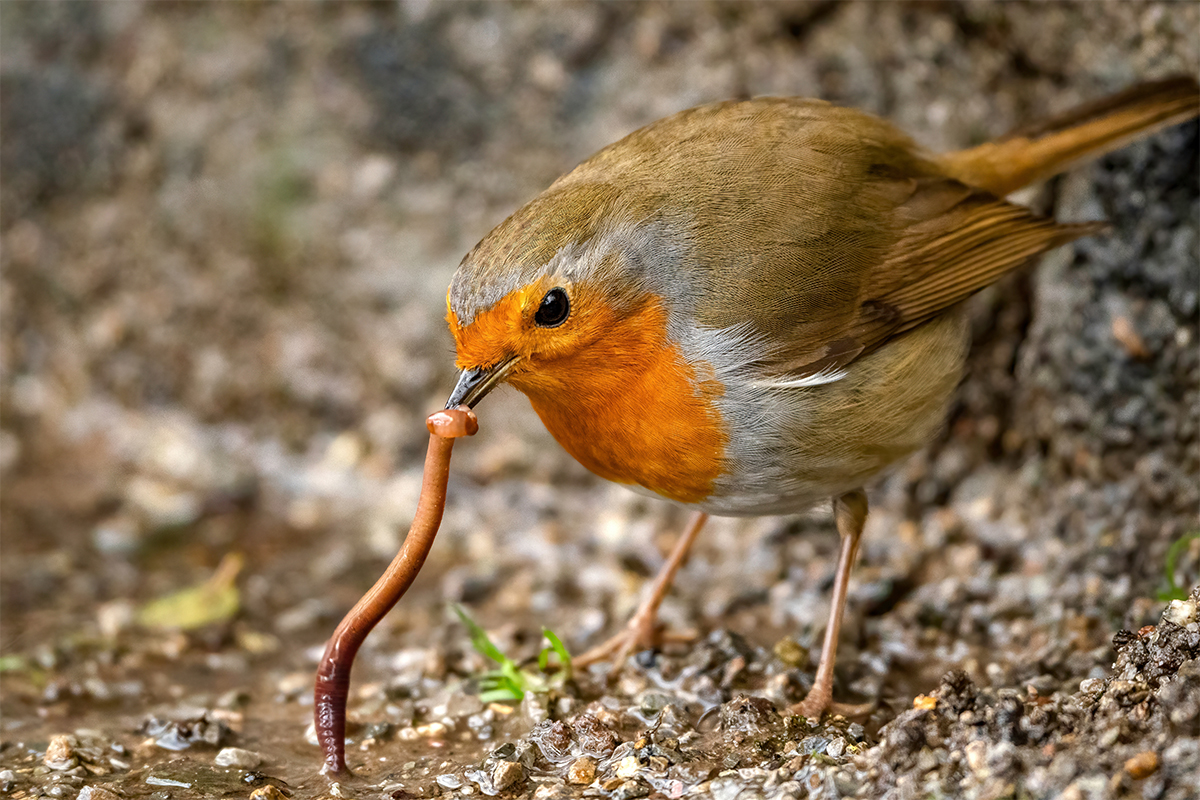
754 306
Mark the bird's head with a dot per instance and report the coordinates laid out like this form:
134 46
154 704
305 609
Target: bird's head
554 299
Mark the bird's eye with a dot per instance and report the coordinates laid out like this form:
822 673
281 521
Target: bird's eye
553 310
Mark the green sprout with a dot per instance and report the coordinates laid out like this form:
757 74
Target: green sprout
13 664
510 682
1173 591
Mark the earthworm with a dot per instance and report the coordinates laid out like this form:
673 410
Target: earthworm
333 673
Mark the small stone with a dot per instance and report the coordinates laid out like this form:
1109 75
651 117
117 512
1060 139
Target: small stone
115 617
792 653
1129 338
631 789
60 754
1072 792
582 771
434 730
507 774
268 792
628 767
976 755
1142 765
237 757
96 793
1182 612
233 699
651 702
552 738
594 739
924 702
294 684
753 716
448 781
505 752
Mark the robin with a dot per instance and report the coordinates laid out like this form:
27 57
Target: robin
750 307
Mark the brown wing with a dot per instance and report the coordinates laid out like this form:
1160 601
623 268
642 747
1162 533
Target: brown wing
953 241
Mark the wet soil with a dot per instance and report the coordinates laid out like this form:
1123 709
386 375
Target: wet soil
227 231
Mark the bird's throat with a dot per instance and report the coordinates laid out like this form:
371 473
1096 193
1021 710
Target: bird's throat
633 410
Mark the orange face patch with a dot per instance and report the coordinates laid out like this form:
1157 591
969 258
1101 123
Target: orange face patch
610 386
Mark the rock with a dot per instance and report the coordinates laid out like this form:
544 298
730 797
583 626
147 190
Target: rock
60 754
628 767
448 781
1142 765
792 653
1182 612
753 715
553 739
507 774
594 739
268 792
96 793
237 757
582 771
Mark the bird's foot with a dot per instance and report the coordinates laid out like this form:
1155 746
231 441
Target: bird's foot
819 700
642 632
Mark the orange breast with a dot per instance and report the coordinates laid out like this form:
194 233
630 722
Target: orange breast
631 409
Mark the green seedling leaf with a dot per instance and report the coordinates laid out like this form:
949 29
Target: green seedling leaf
215 600
508 682
479 638
559 649
13 663
497 687
1173 591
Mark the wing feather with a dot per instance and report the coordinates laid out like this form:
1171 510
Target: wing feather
953 241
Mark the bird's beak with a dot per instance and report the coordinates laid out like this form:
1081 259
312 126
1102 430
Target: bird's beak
474 383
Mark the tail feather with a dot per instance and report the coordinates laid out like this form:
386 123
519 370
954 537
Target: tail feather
1037 152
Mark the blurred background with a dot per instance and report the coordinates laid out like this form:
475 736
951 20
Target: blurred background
227 230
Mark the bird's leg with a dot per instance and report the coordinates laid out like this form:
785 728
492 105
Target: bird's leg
850 514
642 628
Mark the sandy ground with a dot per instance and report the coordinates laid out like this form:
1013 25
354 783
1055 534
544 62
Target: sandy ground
227 230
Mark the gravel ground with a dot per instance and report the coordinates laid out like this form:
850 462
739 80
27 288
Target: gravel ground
227 230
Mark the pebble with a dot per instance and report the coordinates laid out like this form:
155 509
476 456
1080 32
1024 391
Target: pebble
628 767
631 789
1181 612
1142 765
924 702
433 730
976 752
582 771
60 754
237 757
96 793
268 792
792 653
549 791
448 781
507 774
